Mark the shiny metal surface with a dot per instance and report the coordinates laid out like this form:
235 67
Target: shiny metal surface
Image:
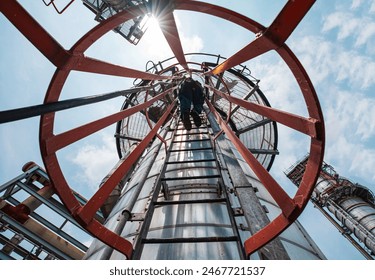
188 220
351 204
188 200
359 217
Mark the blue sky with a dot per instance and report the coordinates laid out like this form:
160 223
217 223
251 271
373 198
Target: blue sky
334 42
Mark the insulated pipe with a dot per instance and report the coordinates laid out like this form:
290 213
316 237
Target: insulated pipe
108 205
126 214
355 213
358 216
351 204
343 231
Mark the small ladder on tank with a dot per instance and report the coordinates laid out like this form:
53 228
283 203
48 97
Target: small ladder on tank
190 182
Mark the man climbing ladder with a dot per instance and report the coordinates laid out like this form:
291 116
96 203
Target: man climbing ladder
191 92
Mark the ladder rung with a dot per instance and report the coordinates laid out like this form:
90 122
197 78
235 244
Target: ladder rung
173 202
183 189
187 150
192 133
191 177
191 161
190 239
191 140
204 124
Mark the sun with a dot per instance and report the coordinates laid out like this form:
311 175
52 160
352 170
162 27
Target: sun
154 41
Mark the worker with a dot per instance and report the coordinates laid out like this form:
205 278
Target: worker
191 93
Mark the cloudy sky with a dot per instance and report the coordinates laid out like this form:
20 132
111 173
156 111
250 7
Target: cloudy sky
334 42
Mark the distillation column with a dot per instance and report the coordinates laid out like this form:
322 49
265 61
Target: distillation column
244 116
190 195
352 205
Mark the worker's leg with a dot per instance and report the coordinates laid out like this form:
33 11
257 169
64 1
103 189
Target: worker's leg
198 100
185 105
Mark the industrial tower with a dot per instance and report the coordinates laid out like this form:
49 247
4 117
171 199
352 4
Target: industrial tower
350 206
204 193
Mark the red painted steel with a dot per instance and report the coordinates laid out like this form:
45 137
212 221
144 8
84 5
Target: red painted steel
219 12
257 47
266 38
276 191
34 32
91 65
88 211
169 28
73 59
64 139
19 212
304 125
312 126
287 20
271 38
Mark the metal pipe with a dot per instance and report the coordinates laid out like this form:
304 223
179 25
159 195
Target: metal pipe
351 204
28 206
108 205
37 110
343 232
254 213
52 243
135 194
353 224
126 213
13 243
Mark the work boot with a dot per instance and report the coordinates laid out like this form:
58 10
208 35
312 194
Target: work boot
186 120
196 118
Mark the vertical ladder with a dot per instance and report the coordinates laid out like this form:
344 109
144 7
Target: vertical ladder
190 215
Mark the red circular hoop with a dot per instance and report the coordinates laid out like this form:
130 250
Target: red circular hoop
76 57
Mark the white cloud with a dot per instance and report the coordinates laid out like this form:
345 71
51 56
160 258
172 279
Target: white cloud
355 25
192 44
341 68
316 56
344 21
349 125
324 60
353 157
278 85
353 113
365 34
95 160
355 68
372 8
356 3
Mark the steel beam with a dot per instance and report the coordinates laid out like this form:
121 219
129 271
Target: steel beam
253 211
87 212
73 59
264 151
309 126
35 237
34 32
37 110
253 126
64 139
168 26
